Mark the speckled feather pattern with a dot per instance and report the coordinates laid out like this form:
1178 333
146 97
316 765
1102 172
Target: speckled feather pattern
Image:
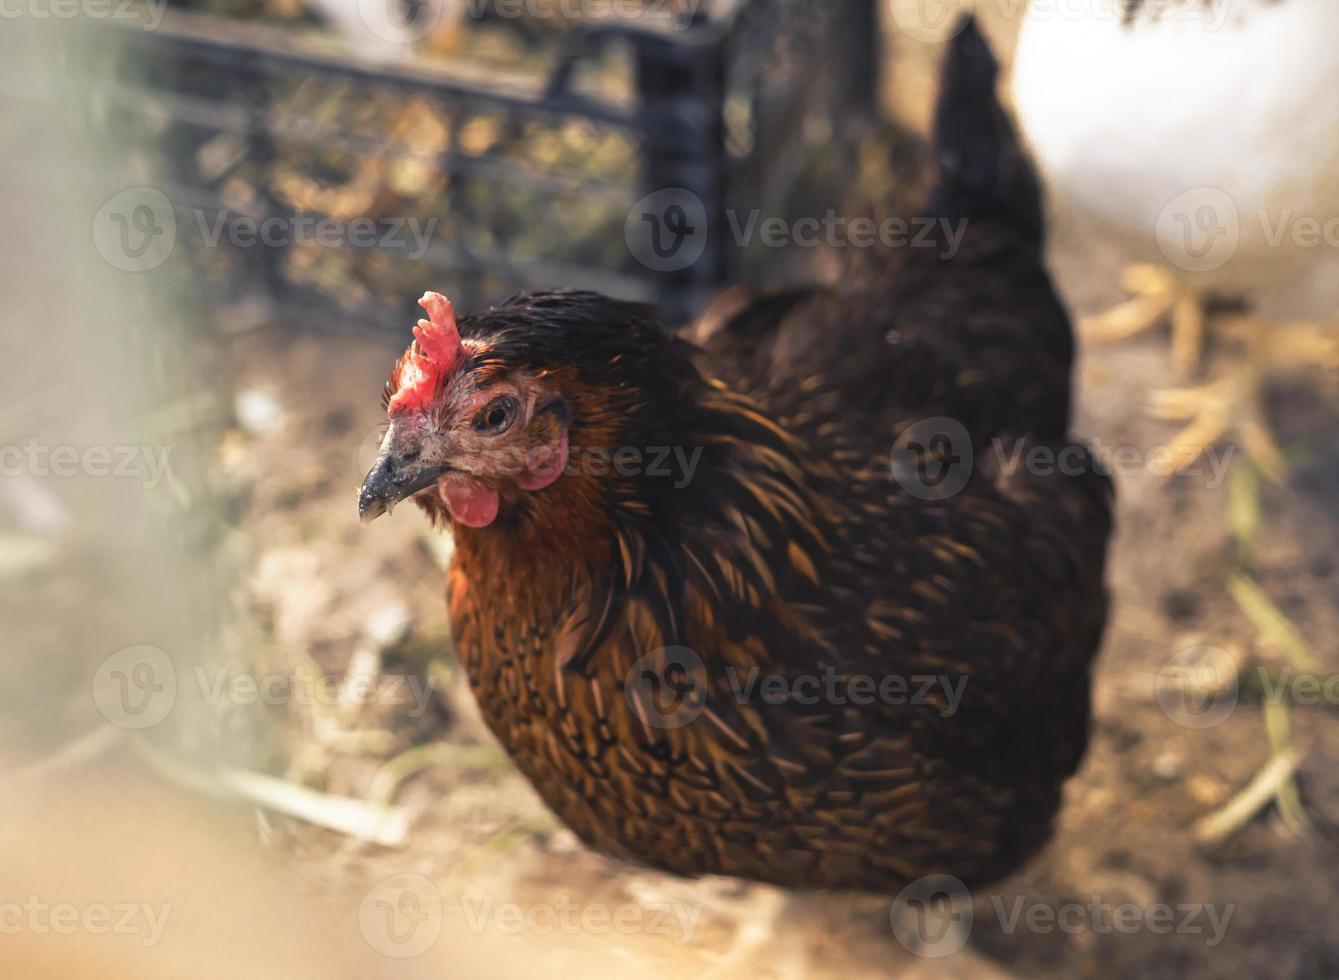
793 551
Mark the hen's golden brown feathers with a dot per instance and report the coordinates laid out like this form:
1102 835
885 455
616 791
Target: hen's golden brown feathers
760 653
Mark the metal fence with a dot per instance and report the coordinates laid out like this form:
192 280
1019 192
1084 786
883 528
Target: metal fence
306 185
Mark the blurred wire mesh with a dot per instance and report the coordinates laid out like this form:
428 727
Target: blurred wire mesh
377 179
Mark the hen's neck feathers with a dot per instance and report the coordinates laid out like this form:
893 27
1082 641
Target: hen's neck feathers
720 509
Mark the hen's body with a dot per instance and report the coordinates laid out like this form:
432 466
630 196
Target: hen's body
1200 132
1200 138
791 553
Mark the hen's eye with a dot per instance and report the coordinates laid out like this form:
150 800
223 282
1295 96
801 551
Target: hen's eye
497 415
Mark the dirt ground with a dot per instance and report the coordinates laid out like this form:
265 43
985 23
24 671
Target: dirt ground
1125 833
1260 903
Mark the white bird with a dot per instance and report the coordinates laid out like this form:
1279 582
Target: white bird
1202 137
387 30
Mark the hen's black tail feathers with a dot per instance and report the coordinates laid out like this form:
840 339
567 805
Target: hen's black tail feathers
983 170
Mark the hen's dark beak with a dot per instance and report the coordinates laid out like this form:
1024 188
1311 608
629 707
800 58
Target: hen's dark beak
393 478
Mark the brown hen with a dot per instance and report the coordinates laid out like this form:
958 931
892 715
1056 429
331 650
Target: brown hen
712 615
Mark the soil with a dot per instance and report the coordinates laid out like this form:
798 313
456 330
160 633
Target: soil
1125 833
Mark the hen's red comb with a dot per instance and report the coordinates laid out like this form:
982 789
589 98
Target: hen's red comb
439 353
